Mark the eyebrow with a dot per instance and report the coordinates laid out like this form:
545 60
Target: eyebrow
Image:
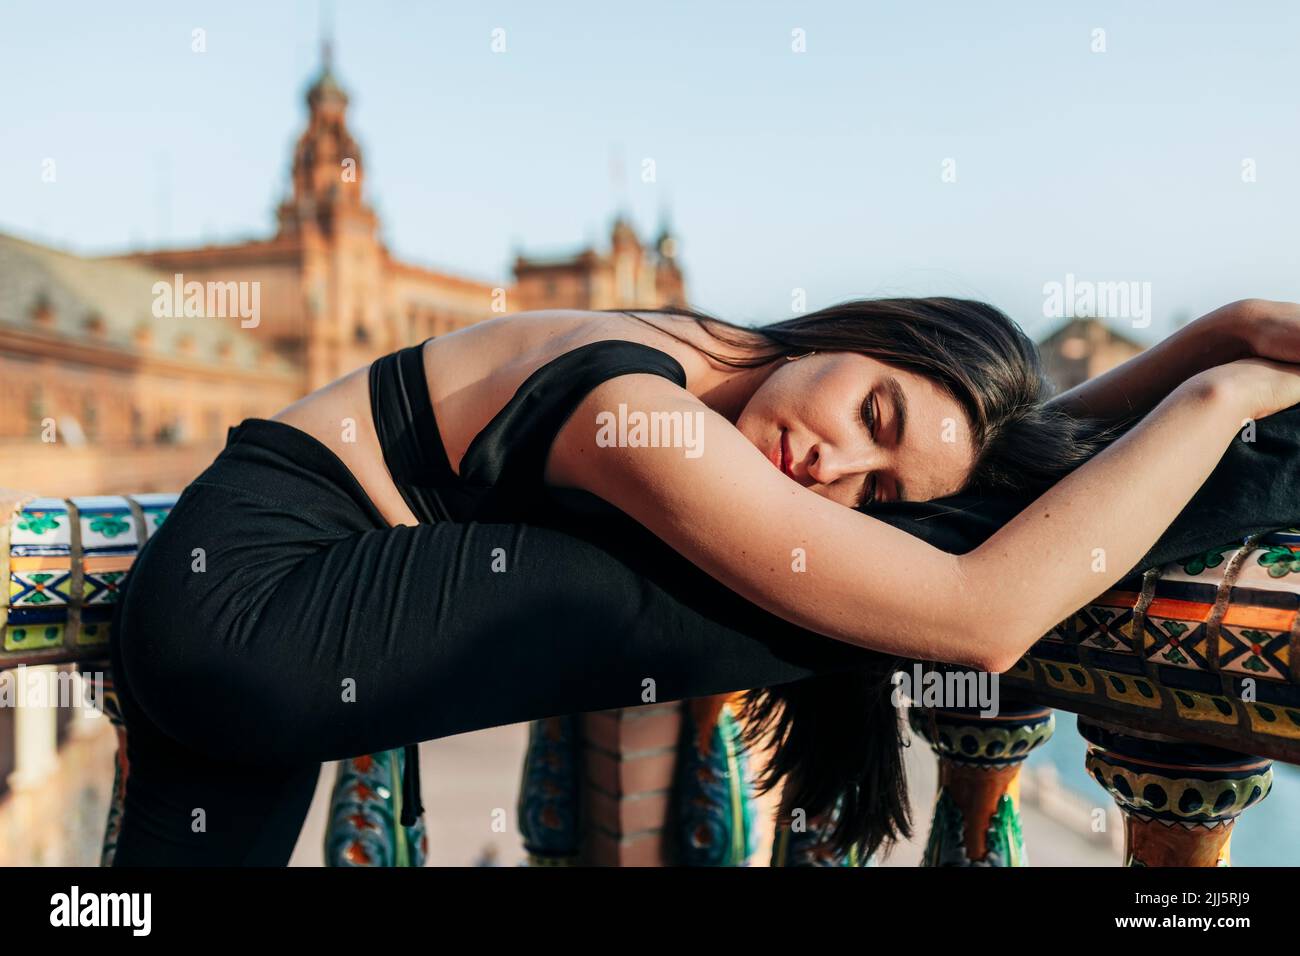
899 401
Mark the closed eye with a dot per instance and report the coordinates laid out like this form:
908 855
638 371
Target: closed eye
869 414
869 419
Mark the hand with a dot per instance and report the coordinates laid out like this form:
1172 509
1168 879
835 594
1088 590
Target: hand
1270 330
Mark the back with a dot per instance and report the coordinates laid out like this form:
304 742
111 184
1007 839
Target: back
472 374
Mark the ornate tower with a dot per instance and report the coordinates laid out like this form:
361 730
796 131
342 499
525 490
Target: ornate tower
626 257
327 168
342 261
670 286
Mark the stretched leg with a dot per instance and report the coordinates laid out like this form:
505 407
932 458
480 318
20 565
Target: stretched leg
184 808
368 641
305 635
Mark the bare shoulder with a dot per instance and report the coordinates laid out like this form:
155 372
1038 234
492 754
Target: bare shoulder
655 450
622 423
515 345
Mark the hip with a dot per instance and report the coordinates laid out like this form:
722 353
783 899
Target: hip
186 625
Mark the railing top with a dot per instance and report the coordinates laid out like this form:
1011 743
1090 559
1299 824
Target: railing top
1205 649
63 562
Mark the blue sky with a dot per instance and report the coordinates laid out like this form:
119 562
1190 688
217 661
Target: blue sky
818 170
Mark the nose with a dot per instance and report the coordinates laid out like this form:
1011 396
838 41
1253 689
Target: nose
829 463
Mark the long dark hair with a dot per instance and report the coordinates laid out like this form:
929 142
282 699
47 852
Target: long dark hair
836 739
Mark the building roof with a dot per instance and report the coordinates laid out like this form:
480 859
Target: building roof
1083 324
109 302
555 260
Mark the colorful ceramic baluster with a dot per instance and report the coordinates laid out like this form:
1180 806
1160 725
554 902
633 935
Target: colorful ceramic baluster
976 814
364 824
712 817
549 794
1180 801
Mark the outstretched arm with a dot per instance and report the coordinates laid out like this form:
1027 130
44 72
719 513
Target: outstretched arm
849 576
1136 386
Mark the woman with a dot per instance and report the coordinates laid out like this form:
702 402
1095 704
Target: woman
382 562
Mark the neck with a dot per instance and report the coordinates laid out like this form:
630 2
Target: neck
723 388
731 392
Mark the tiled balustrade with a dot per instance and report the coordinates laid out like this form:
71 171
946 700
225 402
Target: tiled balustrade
1186 679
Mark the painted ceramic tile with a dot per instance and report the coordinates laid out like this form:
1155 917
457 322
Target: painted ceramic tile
33 637
104 578
37 615
1175 632
156 507
1130 689
1255 653
1256 641
1068 678
1204 707
93 633
41 528
107 525
1275 720
1205 568
41 587
1272 568
1107 625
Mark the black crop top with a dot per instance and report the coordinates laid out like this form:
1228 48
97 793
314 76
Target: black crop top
504 464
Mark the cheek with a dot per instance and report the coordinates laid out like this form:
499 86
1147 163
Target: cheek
789 398
762 412
830 404
947 469
754 422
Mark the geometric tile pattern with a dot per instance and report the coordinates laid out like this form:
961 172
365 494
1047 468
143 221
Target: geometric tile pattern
1107 623
64 563
1204 649
1174 632
1256 642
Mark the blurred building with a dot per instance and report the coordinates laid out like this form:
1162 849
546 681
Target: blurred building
103 391
1084 348
589 279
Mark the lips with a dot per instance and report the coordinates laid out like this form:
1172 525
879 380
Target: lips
781 454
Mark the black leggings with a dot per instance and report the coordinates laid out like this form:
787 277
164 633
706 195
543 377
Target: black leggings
276 621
